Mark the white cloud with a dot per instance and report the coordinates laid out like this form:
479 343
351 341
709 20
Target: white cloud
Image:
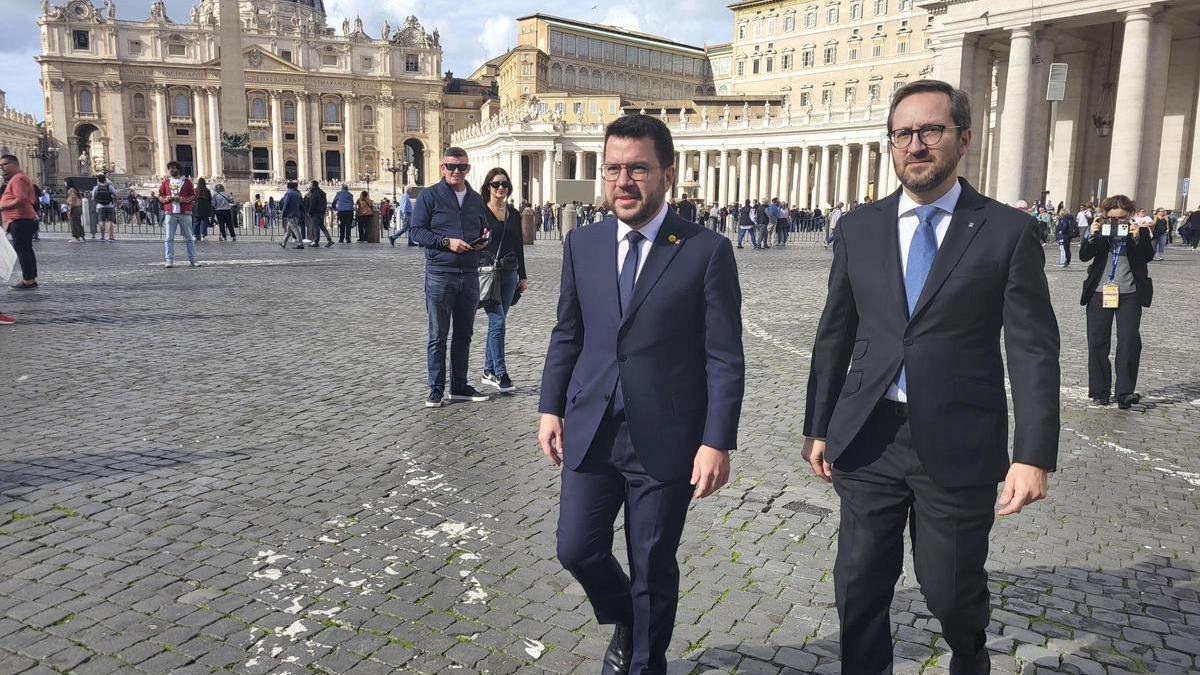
499 34
623 17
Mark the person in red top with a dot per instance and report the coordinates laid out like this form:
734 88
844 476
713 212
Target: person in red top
176 194
20 218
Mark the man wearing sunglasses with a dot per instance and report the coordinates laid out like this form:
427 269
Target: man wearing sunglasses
447 221
907 414
646 366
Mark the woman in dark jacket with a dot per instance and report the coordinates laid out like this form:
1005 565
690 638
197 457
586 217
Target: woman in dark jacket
202 210
1119 270
507 247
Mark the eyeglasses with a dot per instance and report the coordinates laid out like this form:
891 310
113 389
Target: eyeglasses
500 185
930 134
637 171
460 168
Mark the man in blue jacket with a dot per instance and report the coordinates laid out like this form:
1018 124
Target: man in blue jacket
289 206
343 204
448 221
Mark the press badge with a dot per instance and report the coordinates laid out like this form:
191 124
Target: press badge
1112 296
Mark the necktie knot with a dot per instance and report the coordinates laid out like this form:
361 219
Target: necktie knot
925 214
634 237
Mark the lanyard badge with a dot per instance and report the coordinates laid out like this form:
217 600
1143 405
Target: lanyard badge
1112 291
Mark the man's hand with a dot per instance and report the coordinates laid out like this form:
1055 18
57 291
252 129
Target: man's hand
814 452
523 285
710 471
550 437
458 246
1024 485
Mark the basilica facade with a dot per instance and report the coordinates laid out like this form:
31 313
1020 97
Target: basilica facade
127 96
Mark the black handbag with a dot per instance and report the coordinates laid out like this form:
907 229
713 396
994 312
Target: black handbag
490 269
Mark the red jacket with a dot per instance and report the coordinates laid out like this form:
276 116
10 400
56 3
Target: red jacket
18 199
187 195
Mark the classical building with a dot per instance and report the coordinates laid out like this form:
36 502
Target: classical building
128 96
1075 100
21 136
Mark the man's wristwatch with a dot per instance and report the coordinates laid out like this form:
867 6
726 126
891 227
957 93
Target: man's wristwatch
445 243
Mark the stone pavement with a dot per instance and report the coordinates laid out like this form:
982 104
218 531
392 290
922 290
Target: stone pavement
230 469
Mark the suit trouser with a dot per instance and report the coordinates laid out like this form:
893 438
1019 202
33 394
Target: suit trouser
611 476
883 487
1129 345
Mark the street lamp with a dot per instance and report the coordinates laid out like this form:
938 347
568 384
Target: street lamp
394 165
43 152
366 177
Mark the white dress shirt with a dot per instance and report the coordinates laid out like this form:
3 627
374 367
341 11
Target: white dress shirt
650 233
907 224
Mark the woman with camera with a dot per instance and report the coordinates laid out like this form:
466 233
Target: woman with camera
507 249
1118 285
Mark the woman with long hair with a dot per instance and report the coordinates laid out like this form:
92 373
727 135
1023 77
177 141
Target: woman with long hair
507 249
202 210
364 208
75 206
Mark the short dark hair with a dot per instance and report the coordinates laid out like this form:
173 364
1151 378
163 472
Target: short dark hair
175 164
316 185
291 185
1118 202
644 126
485 190
454 151
960 104
11 158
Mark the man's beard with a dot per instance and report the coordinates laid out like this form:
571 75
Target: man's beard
650 205
939 173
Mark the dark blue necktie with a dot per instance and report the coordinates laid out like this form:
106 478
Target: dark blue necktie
625 283
920 258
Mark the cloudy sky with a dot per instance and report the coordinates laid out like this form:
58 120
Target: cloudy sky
471 32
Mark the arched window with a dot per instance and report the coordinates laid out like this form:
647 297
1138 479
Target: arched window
679 91
413 118
621 84
368 116
556 75
597 83
584 78
139 106
608 80
289 111
645 87
180 106
258 108
86 102
331 112
569 79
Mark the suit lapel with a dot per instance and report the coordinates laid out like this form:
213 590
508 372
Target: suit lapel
890 254
666 246
966 222
606 257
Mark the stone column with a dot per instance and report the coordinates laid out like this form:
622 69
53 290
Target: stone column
1014 123
844 174
804 194
599 175
1193 198
773 185
711 195
784 191
953 60
823 178
217 164
548 176
316 137
886 170
754 179
518 192
386 122
1124 165
702 179
1038 132
995 134
114 112
203 146
723 193
743 175
277 172
349 139
1063 178
578 165
864 172
764 175
981 92
1155 108
303 163
162 144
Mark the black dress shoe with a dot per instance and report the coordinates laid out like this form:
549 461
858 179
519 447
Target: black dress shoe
980 664
1126 401
1101 401
620 652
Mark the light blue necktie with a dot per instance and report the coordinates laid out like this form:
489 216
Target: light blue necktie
920 258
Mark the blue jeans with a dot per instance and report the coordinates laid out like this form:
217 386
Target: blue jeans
451 299
201 224
1160 245
183 221
742 235
493 355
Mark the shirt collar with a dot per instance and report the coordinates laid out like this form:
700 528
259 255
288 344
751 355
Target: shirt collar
649 230
945 203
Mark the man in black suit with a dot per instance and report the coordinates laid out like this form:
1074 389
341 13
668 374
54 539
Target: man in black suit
646 366
906 409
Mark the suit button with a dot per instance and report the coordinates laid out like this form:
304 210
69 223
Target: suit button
620 358
908 342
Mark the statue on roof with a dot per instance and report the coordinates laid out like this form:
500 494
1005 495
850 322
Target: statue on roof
386 31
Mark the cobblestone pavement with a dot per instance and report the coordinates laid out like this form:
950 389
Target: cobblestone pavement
230 469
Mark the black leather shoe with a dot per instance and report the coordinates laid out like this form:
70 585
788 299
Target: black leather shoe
1125 401
979 664
620 652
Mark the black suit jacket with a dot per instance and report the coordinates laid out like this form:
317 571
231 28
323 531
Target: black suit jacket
678 350
1139 251
988 275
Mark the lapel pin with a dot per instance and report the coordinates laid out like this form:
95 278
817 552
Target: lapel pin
970 224
672 239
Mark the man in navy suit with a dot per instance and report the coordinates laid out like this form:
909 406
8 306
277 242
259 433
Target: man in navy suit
906 411
645 364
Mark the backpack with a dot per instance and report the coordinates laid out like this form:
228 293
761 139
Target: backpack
104 194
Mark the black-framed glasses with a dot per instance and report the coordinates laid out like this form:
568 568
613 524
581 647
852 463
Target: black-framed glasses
500 185
638 171
460 168
930 135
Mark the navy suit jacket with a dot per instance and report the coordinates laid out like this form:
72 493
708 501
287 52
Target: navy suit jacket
988 276
678 350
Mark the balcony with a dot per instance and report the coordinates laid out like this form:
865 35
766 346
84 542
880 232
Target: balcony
180 119
258 124
331 126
